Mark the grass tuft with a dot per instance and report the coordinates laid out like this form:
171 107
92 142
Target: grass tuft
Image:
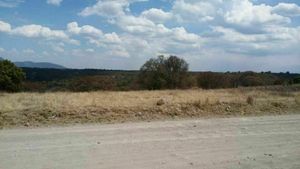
250 100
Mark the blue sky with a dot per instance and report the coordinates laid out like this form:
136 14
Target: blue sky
215 35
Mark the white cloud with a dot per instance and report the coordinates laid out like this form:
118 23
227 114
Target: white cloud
33 31
291 34
36 31
86 30
28 51
208 33
90 50
232 35
5 27
143 35
117 51
108 8
194 11
58 47
157 15
146 29
238 13
54 2
112 38
245 13
136 24
287 9
181 34
104 8
276 41
147 24
10 3
94 35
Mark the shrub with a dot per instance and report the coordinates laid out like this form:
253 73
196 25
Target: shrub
297 100
197 104
251 79
92 83
211 80
160 102
250 100
11 77
164 73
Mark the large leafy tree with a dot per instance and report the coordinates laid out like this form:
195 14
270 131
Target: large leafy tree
10 76
164 73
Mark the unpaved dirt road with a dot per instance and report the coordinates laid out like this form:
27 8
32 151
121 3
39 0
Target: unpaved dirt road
246 143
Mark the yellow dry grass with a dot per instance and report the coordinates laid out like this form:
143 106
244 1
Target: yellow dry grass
65 107
65 100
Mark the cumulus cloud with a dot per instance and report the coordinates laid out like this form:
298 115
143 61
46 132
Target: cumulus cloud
112 38
33 31
156 15
139 25
10 3
206 32
181 34
4 27
234 14
86 29
229 34
287 9
117 51
94 35
194 11
28 51
57 47
108 8
104 8
245 13
90 50
242 15
54 2
242 26
142 35
149 23
36 31
277 41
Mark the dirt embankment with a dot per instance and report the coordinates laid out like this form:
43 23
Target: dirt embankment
43 109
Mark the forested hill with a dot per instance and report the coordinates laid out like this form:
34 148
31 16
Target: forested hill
38 79
40 74
29 64
50 74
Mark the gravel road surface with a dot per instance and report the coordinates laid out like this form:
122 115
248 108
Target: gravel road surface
233 143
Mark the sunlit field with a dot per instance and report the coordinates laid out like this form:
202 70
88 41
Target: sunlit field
42 109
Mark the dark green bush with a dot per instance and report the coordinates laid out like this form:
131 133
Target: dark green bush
11 77
164 73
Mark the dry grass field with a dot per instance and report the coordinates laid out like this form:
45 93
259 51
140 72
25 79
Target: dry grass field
62 108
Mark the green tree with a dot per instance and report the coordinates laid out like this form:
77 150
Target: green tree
164 73
11 77
212 80
176 72
251 79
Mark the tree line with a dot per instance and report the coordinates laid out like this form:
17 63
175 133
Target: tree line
157 73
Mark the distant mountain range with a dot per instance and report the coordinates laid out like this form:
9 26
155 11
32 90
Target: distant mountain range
29 64
39 65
